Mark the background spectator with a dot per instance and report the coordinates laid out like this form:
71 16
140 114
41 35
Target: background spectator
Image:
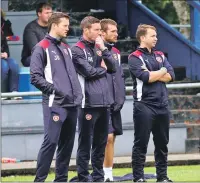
35 31
9 67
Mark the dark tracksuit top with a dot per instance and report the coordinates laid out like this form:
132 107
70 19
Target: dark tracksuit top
117 88
154 94
94 115
33 34
91 75
151 113
54 74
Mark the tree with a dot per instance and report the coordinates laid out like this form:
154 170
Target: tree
164 9
182 10
172 11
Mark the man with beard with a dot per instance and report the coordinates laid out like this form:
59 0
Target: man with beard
53 72
117 89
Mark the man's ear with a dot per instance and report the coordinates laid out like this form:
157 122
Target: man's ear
142 38
85 30
53 25
39 14
103 33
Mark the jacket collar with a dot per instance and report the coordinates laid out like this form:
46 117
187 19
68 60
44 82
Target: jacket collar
87 43
146 51
52 39
109 45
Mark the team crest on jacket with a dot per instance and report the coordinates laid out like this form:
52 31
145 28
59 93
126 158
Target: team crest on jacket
115 56
159 59
99 53
88 117
56 118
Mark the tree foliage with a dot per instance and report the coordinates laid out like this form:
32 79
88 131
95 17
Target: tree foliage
164 9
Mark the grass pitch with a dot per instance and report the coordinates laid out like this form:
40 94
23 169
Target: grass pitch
176 173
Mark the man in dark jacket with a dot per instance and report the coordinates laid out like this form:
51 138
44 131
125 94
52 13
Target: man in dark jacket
117 89
150 71
92 61
53 72
35 31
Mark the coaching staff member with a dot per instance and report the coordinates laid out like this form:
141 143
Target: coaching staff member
150 72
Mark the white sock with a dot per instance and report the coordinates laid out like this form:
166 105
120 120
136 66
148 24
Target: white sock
108 173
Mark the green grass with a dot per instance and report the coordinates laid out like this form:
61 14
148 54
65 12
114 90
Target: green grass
176 173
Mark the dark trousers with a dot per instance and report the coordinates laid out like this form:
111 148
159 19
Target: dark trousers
9 75
59 130
146 120
93 131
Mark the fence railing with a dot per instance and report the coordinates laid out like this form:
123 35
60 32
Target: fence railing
174 86
128 89
180 26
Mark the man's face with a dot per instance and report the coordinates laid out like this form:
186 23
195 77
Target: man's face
111 34
62 28
93 32
150 39
45 14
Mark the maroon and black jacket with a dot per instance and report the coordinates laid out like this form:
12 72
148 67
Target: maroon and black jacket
155 93
53 72
87 60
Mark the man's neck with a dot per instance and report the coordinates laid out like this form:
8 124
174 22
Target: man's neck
145 46
54 35
86 38
42 24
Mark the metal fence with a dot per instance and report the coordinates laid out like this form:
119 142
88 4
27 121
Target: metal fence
128 89
180 26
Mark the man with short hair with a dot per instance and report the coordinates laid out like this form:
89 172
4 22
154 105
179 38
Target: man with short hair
35 31
53 72
92 61
150 72
117 88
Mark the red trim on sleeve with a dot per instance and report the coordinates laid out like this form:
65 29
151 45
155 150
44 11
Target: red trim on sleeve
136 53
80 45
115 50
44 43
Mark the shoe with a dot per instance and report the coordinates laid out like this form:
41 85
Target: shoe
164 180
140 180
108 180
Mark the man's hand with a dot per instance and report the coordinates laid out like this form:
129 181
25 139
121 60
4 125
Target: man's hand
4 55
103 64
156 75
164 70
100 43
